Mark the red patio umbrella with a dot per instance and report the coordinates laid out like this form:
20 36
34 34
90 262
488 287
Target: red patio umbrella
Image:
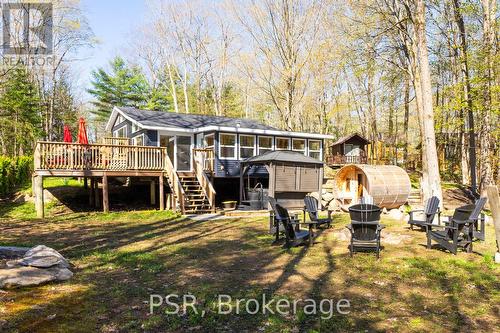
82 133
67 134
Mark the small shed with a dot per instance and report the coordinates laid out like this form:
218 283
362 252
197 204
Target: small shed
353 144
389 185
291 175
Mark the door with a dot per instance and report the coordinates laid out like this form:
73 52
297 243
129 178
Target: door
168 142
183 153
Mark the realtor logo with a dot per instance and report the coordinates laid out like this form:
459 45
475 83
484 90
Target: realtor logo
27 28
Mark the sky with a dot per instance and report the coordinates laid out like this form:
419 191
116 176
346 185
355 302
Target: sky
112 22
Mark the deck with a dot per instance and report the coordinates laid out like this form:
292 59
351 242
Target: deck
116 158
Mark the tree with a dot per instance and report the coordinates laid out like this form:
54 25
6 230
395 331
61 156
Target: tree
20 124
122 86
429 151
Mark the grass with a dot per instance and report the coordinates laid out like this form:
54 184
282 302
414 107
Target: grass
121 258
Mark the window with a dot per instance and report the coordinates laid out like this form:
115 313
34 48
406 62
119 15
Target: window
299 145
282 144
265 144
139 140
121 133
209 140
227 146
119 119
134 128
315 149
247 146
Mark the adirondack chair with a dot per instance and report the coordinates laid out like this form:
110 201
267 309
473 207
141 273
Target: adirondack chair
293 236
459 231
430 210
311 206
365 228
276 220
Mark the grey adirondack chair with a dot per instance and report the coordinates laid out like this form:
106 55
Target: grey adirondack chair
458 232
293 236
365 228
276 222
311 206
429 212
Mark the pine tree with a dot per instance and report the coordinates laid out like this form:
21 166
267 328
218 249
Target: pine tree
20 111
123 86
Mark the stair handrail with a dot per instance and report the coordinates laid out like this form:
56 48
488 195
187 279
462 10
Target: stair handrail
204 181
178 190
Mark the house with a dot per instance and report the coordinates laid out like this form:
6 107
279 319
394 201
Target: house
192 162
217 144
350 149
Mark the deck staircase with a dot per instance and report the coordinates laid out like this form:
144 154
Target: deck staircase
195 199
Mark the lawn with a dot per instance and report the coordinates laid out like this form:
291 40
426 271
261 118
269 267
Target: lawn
122 258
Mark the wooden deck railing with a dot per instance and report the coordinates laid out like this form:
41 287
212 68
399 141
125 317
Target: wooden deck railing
74 156
111 140
345 159
200 171
175 184
205 157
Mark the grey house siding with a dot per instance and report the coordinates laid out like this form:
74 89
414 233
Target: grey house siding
120 125
224 168
231 167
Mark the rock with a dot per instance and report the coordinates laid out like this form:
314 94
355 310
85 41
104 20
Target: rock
396 214
393 239
343 235
334 205
39 265
31 276
327 197
42 256
315 195
12 252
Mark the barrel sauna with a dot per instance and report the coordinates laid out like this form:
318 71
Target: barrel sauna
389 185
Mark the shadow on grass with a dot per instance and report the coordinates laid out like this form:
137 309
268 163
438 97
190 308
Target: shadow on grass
121 263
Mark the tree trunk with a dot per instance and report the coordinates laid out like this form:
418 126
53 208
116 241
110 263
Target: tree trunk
406 117
173 88
427 118
467 94
487 156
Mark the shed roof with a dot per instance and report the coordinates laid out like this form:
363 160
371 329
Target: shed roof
286 156
348 137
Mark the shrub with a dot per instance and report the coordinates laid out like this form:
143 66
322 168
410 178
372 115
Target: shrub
14 172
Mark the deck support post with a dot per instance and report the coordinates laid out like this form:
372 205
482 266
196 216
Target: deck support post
85 183
91 192
152 192
38 186
162 193
96 191
105 198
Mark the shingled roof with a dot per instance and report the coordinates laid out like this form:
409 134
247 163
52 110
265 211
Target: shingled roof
192 121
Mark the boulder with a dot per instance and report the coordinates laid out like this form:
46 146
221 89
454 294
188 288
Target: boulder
327 197
396 214
37 265
32 276
315 195
41 256
343 235
12 252
333 206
